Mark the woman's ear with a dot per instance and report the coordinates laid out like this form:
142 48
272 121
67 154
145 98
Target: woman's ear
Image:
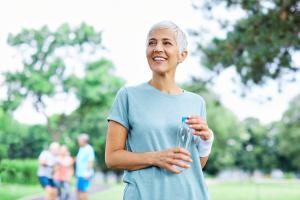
182 56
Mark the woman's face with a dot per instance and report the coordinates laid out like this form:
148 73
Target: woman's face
63 151
163 52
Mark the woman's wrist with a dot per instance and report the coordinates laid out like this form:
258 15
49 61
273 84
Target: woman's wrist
206 145
210 139
151 158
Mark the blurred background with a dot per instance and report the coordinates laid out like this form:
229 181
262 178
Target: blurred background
62 62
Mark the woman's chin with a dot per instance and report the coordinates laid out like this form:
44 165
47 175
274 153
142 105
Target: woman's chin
159 68
159 71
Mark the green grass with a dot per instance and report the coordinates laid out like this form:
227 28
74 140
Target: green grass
15 191
272 190
114 193
229 190
255 191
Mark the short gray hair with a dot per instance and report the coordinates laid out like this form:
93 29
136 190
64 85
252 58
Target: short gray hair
180 36
83 136
54 146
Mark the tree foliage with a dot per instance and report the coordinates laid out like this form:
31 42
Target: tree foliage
44 65
19 140
260 45
288 131
259 148
95 92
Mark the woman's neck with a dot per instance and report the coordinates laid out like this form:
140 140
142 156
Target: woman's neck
165 85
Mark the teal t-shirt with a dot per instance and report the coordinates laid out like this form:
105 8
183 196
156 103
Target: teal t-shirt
152 118
84 156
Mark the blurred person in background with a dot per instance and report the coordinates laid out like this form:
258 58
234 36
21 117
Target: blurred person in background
47 160
84 166
63 173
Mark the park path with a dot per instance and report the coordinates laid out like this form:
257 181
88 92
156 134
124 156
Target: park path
98 186
95 187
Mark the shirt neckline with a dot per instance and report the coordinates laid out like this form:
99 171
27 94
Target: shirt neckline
164 93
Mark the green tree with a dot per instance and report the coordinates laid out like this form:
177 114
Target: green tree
95 92
259 150
260 45
5 131
44 66
289 137
18 140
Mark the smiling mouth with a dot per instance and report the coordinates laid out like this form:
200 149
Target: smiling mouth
159 58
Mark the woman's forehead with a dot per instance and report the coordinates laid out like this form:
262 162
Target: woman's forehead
161 34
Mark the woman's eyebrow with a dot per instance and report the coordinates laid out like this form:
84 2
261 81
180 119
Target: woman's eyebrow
164 39
167 39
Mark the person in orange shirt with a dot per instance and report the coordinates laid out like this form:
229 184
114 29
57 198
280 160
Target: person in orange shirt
63 173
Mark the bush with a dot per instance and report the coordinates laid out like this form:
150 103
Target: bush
19 171
289 175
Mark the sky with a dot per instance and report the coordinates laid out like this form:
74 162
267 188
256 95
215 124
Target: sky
125 25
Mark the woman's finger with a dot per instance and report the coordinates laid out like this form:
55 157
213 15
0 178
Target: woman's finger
183 157
181 164
197 122
199 126
195 119
172 169
205 135
181 150
194 116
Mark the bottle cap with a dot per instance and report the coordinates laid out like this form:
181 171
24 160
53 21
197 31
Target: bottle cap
184 118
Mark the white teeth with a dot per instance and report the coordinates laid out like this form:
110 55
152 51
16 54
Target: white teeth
158 59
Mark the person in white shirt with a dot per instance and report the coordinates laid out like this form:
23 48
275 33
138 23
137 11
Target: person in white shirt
47 161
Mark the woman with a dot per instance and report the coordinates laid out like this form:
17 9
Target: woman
63 173
143 124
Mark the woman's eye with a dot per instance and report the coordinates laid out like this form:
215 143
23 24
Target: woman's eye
151 43
167 43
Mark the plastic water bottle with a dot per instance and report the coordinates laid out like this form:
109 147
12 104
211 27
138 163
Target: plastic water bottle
184 137
184 134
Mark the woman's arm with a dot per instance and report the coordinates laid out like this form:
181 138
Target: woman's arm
117 157
115 154
42 159
203 161
42 162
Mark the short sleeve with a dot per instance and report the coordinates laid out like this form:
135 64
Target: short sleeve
119 110
43 156
91 154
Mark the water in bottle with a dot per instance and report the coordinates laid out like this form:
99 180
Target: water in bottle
184 136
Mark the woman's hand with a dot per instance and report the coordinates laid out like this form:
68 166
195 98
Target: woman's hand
200 126
175 156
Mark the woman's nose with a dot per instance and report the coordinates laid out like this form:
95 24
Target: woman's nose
158 48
